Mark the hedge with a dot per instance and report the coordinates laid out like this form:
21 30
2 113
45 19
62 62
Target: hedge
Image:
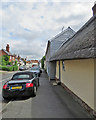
15 68
9 68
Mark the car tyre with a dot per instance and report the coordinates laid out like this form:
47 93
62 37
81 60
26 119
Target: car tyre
38 83
34 91
6 98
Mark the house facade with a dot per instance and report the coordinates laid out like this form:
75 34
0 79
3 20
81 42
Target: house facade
32 63
7 52
53 45
76 62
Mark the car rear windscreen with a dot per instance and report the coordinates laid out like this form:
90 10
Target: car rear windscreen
21 76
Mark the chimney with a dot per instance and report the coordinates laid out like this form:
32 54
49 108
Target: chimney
94 9
7 48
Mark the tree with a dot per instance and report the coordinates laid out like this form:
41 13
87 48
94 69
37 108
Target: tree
4 60
42 62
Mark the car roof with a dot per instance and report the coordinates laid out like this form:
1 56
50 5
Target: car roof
21 73
18 73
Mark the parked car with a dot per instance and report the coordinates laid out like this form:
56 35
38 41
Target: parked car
21 84
21 68
36 70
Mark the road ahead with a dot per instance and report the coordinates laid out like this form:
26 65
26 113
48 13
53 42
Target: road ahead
3 78
50 102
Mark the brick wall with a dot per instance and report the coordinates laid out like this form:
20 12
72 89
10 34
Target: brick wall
2 53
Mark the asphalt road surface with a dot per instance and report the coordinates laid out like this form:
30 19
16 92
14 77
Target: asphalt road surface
3 78
50 102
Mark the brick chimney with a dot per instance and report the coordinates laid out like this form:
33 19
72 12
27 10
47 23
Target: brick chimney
7 48
94 9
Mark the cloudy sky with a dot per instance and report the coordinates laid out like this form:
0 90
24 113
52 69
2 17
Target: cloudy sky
27 26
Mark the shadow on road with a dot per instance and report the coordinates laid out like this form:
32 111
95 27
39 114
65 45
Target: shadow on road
20 98
15 99
5 101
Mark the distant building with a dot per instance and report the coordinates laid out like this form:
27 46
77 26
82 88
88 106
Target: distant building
20 61
31 63
34 61
7 52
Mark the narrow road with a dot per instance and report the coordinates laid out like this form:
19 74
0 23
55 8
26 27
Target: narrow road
3 78
50 102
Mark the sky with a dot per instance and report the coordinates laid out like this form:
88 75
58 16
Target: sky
27 26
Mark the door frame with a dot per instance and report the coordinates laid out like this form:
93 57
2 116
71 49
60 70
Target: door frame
59 72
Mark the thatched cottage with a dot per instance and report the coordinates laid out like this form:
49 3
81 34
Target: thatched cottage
76 63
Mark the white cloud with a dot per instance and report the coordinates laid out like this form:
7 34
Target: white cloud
46 1
27 26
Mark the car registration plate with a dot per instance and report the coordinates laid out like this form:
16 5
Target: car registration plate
17 87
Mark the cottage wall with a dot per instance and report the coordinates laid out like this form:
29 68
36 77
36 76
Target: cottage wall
78 76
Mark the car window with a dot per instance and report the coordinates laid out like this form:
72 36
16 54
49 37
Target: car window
21 76
21 66
35 68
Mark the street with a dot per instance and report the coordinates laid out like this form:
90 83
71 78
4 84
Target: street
3 78
50 102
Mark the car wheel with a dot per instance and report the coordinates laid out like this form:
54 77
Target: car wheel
34 91
38 83
6 98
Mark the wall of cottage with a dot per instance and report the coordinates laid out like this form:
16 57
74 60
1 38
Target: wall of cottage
78 76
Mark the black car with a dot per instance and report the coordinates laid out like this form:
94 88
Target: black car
21 84
36 70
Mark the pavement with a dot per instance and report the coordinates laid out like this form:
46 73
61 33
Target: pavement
51 101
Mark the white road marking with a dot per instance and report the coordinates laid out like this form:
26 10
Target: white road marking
5 106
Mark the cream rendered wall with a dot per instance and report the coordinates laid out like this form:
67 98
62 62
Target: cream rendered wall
57 69
79 78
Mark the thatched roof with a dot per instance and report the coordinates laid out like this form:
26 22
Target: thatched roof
81 46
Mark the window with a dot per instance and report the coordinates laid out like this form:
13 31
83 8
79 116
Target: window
21 76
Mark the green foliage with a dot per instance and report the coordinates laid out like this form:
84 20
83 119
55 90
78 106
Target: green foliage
9 63
15 62
15 68
4 60
42 62
24 62
6 65
9 68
